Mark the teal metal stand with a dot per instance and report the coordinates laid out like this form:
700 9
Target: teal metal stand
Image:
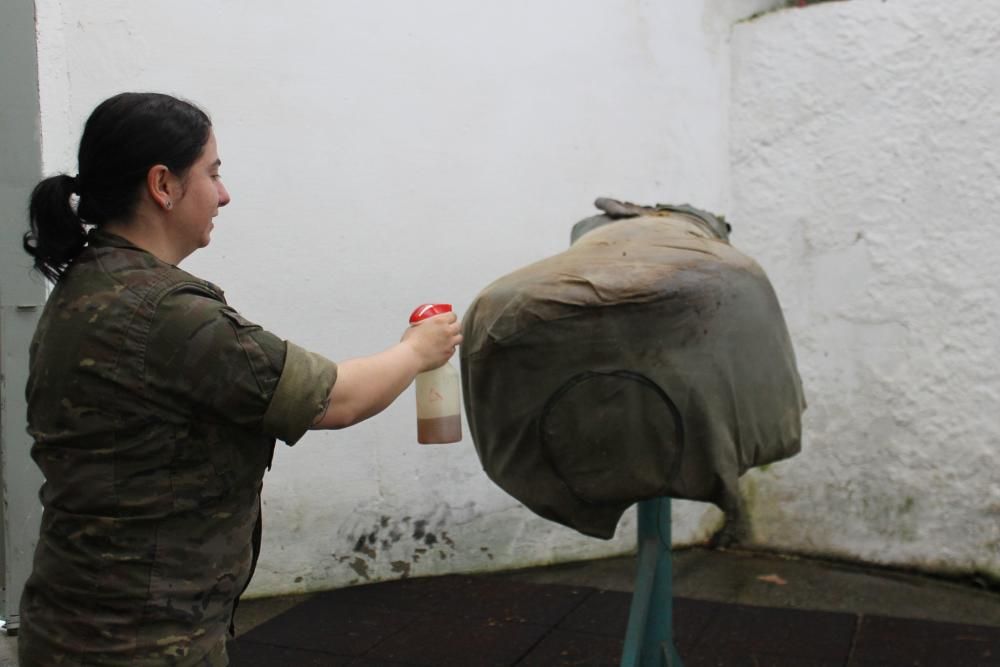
649 640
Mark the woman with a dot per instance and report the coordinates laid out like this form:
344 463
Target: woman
154 406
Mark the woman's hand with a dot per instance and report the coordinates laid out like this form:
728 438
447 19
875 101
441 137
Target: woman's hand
367 385
434 340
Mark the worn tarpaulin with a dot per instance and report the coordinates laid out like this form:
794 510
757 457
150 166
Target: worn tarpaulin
650 358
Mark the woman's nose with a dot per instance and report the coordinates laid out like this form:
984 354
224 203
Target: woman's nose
224 197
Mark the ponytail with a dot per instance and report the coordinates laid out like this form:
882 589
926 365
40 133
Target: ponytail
57 234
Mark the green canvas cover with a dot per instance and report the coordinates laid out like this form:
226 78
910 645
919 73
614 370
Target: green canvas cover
650 358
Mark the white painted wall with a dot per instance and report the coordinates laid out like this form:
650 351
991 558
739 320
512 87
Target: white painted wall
386 153
866 163
381 155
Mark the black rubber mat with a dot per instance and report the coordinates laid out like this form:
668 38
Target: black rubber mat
482 621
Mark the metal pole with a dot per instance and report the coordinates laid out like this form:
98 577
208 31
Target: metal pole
649 637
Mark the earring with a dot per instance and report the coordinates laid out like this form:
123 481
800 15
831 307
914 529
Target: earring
170 205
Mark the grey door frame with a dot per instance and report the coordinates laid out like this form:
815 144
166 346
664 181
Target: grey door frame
22 294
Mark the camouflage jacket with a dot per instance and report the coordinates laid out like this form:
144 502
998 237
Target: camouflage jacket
154 408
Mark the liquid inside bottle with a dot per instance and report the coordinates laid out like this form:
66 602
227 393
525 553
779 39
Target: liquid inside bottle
439 403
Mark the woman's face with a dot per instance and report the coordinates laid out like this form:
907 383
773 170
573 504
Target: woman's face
203 195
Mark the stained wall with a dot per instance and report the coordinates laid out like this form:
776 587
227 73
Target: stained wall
865 162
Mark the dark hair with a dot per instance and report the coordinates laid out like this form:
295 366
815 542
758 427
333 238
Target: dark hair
124 137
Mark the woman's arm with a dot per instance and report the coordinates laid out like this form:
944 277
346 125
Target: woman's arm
367 385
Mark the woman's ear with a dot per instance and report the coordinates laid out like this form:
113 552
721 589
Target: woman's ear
161 186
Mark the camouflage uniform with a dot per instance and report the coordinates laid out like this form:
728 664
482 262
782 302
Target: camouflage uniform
154 408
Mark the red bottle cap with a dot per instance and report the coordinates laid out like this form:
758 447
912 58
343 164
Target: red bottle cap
429 310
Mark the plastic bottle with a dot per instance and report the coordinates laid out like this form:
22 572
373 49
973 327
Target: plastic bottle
439 393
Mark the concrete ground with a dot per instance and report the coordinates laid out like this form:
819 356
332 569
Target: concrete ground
737 576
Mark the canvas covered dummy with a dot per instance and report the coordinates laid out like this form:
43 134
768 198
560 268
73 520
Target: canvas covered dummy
649 359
